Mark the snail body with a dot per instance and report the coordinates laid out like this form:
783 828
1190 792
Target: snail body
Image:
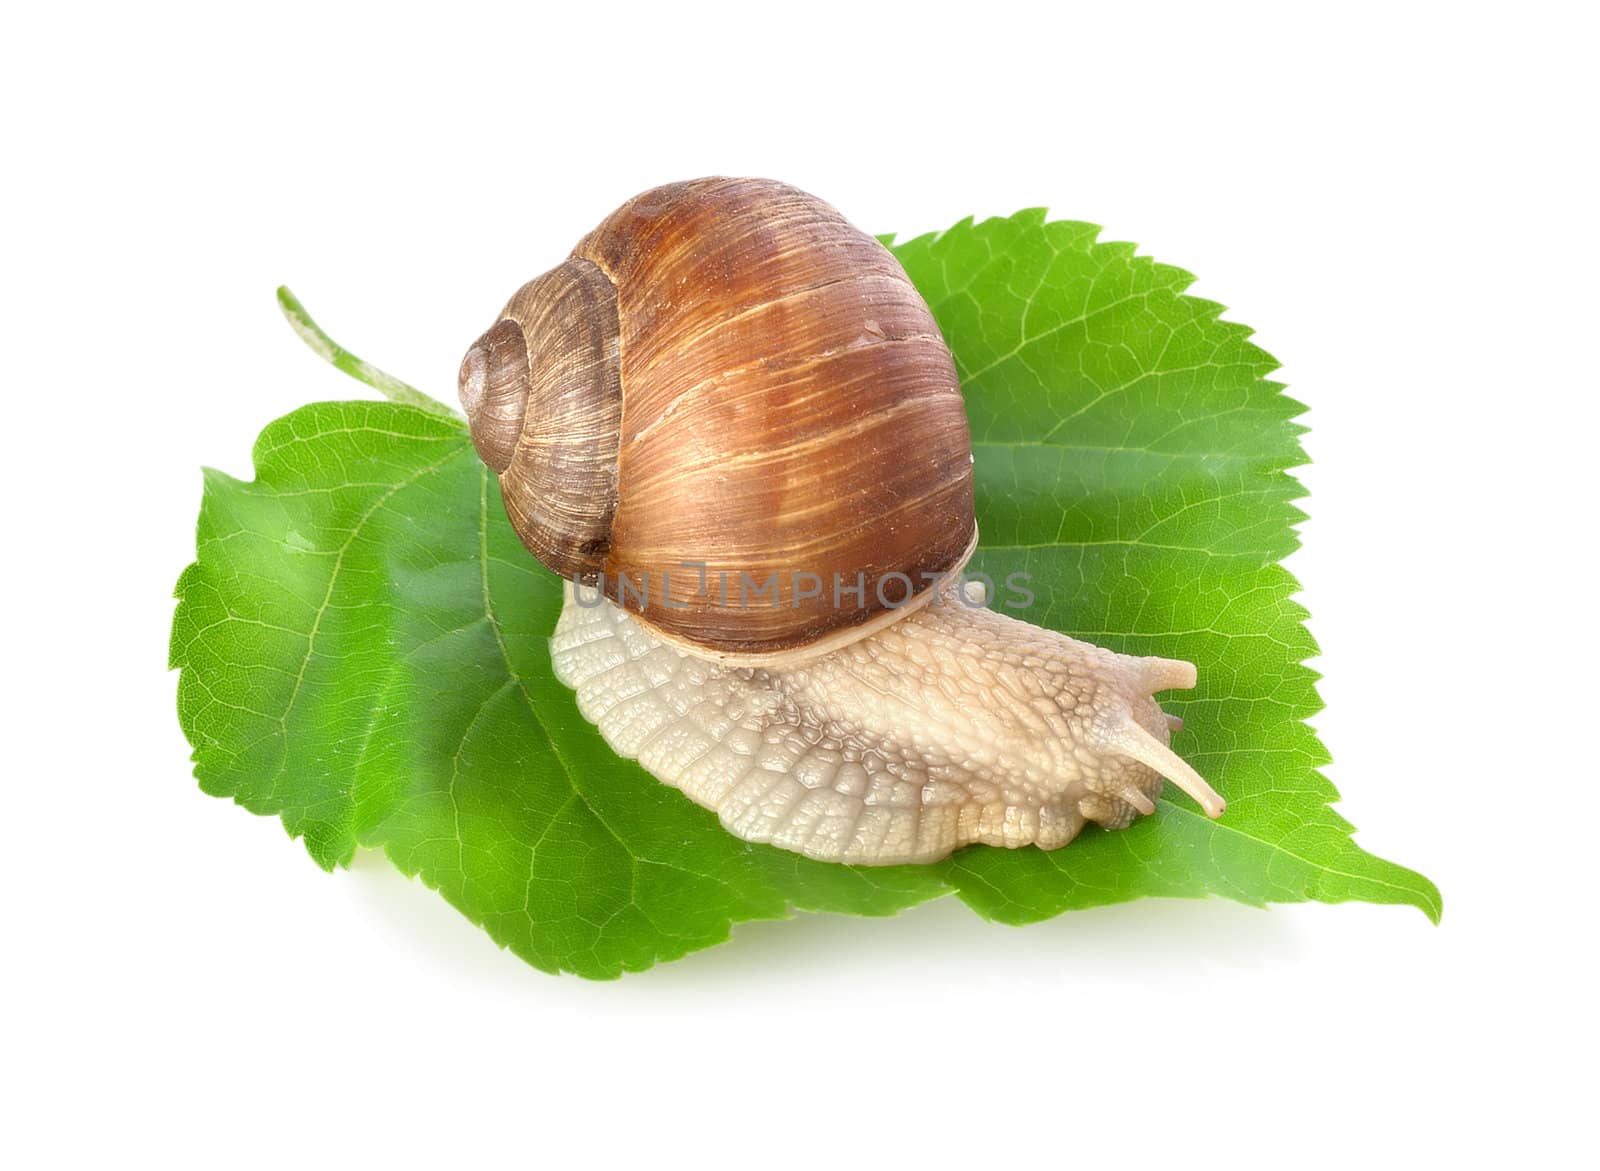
955 725
731 423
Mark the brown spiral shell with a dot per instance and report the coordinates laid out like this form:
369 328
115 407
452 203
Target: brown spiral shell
725 373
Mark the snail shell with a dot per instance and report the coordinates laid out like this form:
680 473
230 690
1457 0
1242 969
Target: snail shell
727 387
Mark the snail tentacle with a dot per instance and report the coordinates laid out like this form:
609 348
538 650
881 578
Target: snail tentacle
1135 742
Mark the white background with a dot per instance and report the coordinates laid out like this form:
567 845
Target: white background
1399 199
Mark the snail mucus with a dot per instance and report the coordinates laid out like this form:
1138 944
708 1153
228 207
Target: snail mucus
730 423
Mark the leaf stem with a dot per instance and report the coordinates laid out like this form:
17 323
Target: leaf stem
331 351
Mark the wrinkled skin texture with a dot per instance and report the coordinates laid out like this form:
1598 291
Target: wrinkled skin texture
954 725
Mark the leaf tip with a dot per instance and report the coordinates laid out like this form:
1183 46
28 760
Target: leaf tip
1430 902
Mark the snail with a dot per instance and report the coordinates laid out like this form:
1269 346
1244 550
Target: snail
730 423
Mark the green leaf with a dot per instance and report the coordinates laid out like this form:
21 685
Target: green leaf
362 638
